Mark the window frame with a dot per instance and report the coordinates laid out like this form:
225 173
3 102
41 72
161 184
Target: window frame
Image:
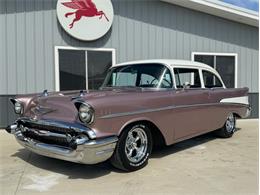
56 61
169 68
193 54
192 76
219 78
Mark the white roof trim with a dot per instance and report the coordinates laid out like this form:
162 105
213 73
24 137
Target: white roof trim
220 9
172 63
168 62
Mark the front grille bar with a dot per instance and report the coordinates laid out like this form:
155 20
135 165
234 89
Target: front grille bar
52 133
60 127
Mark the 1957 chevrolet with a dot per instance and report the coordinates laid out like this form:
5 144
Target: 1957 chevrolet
140 104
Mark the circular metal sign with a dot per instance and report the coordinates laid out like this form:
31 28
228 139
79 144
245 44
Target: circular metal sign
86 20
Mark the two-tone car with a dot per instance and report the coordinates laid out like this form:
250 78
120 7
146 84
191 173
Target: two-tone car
140 105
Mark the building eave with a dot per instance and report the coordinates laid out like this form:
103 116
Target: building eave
220 9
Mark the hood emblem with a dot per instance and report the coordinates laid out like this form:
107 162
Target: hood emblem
42 110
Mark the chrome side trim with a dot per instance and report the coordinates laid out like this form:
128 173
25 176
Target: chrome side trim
154 110
237 100
136 112
163 109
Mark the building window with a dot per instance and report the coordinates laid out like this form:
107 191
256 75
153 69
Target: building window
225 64
81 68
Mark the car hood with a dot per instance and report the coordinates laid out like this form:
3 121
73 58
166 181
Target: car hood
60 105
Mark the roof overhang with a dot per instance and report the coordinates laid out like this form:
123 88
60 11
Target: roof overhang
220 9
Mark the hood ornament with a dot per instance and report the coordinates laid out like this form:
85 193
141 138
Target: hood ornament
81 93
45 93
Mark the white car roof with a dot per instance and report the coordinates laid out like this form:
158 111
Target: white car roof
170 63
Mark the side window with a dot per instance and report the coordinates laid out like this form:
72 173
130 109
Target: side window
211 80
187 75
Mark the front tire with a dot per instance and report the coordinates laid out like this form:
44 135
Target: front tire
133 148
229 127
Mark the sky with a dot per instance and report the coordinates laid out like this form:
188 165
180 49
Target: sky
249 4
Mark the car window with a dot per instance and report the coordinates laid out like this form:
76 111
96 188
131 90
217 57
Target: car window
211 80
139 75
149 80
146 79
124 79
187 75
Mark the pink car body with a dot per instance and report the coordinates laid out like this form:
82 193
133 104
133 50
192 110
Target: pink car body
175 114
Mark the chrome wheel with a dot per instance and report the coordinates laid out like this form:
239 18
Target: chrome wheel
230 123
136 145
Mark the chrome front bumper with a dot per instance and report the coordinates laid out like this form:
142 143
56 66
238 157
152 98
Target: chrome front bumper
87 151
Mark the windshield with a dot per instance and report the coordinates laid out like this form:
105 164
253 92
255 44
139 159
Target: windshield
139 75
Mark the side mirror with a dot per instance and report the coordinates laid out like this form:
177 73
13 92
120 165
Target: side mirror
186 85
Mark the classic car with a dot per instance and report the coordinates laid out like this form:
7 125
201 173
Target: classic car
140 105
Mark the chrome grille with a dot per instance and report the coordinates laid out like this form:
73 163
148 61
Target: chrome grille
56 140
51 128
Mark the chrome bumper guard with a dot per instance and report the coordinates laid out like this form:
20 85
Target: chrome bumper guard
87 151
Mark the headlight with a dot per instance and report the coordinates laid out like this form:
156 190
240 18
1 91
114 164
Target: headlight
86 113
18 108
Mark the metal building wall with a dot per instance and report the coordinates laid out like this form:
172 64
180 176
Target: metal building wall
141 30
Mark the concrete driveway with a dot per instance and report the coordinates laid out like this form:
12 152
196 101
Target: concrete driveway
203 165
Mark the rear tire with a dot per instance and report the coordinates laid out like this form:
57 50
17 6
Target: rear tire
133 148
229 127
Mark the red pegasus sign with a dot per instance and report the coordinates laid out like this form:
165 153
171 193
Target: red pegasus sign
84 8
